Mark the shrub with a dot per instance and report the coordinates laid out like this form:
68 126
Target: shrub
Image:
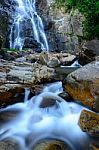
90 9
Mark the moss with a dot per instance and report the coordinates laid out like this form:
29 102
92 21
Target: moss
89 122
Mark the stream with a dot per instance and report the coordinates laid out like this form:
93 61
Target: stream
32 121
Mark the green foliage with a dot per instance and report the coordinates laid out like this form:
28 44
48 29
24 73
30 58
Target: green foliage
90 9
11 49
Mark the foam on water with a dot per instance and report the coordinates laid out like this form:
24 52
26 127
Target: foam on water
33 123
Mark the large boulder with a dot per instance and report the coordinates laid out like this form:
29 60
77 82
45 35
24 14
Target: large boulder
89 122
56 59
10 94
9 144
89 52
51 145
42 73
83 85
15 76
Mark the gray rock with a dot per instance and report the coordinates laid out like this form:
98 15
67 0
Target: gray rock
92 45
83 85
90 50
54 62
89 122
9 144
65 28
51 145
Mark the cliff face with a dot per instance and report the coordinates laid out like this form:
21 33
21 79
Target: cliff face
63 28
6 9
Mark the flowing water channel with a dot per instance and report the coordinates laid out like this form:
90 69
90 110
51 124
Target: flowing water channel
26 10
31 122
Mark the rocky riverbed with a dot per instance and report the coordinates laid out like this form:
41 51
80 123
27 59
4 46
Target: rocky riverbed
34 70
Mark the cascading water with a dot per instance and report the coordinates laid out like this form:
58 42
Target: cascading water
26 10
31 122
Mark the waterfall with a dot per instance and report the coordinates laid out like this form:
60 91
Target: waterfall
26 10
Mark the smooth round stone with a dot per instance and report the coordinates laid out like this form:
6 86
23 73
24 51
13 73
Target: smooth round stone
9 144
52 145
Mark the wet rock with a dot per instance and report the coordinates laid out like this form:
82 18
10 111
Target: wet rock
32 58
7 55
8 115
20 59
16 76
50 59
42 73
27 73
43 58
54 62
94 147
90 50
65 70
83 85
92 45
47 99
66 96
47 102
89 122
10 94
56 59
36 90
9 144
20 73
51 145
66 58
31 43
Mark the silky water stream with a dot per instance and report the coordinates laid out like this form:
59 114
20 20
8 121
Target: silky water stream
30 123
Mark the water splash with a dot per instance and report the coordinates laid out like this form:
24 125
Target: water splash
26 10
76 64
32 123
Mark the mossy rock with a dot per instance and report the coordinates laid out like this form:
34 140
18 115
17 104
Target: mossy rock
52 145
89 122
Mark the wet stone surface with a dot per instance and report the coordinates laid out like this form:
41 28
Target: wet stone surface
52 145
9 144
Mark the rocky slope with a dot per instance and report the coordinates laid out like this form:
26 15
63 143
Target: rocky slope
64 28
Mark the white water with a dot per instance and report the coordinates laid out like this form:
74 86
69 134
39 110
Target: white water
33 123
26 10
